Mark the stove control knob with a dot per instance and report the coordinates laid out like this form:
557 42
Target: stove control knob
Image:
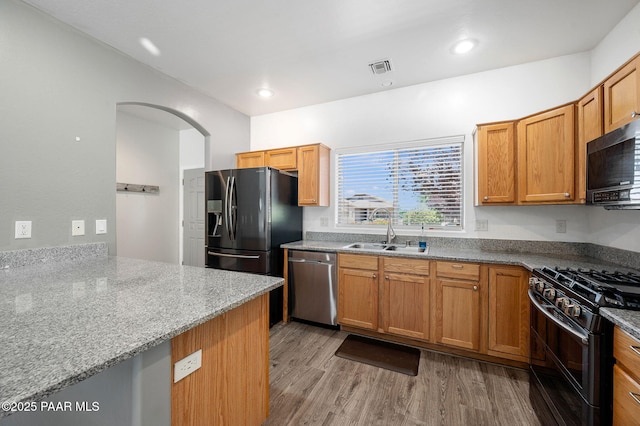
536 283
572 310
549 293
561 302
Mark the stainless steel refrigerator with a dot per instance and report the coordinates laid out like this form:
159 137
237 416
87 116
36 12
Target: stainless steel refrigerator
250 213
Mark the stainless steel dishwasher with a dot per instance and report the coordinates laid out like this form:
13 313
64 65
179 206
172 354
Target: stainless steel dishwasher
313 287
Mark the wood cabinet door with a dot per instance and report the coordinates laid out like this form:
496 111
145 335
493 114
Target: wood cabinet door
283 159
626 398
313 175
546 157
406 305
509 313
496 163
458 313
358 298
250 159
590 117
622 96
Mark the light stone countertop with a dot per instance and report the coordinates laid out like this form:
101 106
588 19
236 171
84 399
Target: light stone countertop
627 319
61 322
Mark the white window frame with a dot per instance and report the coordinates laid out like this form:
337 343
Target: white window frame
422 143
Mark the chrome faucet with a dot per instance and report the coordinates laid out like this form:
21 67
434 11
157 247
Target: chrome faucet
391 234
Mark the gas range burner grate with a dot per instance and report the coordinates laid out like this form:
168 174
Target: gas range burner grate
604 288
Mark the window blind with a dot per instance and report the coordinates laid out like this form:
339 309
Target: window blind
417 185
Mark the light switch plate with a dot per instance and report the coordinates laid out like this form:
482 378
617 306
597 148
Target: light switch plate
101 226
77 227
23 229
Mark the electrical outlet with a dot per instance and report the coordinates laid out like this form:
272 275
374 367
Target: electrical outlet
187 365
561 226
482 225
77 227
23 229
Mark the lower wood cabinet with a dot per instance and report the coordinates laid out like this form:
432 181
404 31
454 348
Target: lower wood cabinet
458 305
479 310
626 378
508 312
358 291
405 297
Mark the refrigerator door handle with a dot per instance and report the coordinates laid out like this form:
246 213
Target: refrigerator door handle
237 256
227 207
233 214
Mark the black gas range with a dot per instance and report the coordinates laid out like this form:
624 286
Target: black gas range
571 343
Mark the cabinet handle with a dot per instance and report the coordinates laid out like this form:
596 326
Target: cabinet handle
457 266
486 198
635 397
635 349
475 288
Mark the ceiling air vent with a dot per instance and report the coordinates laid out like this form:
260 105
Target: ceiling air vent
380 67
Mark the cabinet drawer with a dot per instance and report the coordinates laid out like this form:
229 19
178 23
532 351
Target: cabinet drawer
465 271
626 350
358 261
405 266
283 159
626 398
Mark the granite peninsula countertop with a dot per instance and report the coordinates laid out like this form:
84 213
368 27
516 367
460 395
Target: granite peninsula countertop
628 320
61 322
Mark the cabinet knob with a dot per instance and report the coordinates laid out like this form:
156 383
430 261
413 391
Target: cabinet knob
386 277
475 288
374 276
486 198
634 114
567 195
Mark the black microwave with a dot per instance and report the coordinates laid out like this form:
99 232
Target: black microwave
613 169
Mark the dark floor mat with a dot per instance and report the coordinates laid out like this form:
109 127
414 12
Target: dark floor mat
390 356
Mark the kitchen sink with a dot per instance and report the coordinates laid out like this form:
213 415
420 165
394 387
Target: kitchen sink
399 248
367 246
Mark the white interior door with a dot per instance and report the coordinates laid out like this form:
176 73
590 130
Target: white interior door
194 214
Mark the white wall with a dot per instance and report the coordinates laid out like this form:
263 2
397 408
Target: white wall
147 224
443 108
56 84
454 106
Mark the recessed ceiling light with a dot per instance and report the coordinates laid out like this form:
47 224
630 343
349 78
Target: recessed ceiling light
386 83
464 46
265 93
149 46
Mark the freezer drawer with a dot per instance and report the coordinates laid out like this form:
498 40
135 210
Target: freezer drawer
313 287
256 262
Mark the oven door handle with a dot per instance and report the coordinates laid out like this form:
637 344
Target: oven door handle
583 337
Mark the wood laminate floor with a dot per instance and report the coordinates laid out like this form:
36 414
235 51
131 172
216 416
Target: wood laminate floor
311 386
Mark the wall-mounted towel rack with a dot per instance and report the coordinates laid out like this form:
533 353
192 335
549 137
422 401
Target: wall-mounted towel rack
133 187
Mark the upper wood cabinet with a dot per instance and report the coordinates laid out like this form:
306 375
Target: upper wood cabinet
312 162
589 124
247 160
283 159
509 313
546 157
622 95
313 175
496 155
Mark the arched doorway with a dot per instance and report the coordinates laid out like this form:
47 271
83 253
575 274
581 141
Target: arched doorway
157 146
